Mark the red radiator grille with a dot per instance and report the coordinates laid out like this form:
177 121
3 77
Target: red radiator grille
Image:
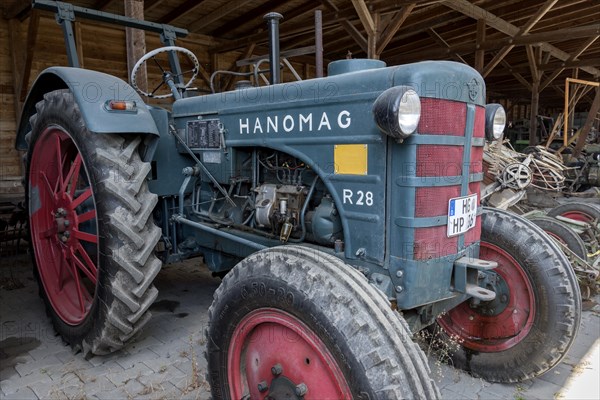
439 160
442 117
476 165
433 242
479 129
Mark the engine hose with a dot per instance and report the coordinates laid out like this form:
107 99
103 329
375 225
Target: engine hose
303 212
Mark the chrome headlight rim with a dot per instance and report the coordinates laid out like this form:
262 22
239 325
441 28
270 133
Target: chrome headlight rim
397 111
495 121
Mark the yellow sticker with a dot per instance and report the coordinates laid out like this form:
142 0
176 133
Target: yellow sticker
351 159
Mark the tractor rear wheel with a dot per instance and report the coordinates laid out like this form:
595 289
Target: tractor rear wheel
534 319
92 234
290 321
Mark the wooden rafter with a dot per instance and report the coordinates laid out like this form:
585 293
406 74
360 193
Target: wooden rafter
349 27
217 14
518 76
393 26
507 28
522 31
365 16
571 58
435 36
250 15
479 39
183 9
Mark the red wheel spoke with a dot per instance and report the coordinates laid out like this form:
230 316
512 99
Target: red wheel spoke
73 175
81 266
59 165
49 187
82 197
78 286
88 268
86 237
86 216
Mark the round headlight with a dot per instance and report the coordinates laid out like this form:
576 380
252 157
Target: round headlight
397 111
495 121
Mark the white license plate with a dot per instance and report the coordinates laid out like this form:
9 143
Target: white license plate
462 214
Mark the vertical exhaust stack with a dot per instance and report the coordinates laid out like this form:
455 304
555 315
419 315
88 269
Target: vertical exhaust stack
273 21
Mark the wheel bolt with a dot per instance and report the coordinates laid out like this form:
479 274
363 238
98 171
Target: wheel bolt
67 234
63 239
263 386
60 212
66 222
276 369
301 389
471 318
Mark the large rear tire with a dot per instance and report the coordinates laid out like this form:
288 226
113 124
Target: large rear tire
290 317
92 234
535 317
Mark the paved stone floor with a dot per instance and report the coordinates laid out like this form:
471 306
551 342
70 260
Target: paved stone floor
166 361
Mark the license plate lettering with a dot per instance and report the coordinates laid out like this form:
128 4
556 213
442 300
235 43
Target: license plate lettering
462 214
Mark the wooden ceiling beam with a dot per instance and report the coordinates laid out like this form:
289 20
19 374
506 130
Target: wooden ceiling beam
181 10
349 27
394 25
216 15
476 12
365 16
572 57
101 4
518 76
272 5
435 36
17 10
522 31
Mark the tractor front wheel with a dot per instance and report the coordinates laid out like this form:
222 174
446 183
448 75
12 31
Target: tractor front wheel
296 323
92 233
530 325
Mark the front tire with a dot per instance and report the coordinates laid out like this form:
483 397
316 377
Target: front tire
535 317
92 235
291 316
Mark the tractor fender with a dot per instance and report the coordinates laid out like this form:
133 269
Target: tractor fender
91 90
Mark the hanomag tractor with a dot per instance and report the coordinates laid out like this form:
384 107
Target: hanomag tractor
343 210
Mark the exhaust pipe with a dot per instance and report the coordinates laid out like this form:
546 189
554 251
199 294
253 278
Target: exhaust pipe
273 22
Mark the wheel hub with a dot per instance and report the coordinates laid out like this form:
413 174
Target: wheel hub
494 282
282 387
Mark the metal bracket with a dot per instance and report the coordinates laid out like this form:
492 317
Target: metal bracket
64 12
466 270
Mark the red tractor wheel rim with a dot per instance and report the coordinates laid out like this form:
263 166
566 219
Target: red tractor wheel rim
480 331
578 216
63 225
269 337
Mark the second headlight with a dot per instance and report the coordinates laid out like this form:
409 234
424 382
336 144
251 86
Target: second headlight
397 111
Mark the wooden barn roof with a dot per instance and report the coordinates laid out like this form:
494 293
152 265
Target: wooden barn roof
514 43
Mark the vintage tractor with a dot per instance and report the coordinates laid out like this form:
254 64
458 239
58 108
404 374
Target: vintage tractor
342 213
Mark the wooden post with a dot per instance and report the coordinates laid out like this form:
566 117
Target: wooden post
480 53
16 51
136 42
535 102
79 42
588 124
372 39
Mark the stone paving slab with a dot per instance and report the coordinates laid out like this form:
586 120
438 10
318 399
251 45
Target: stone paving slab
166 361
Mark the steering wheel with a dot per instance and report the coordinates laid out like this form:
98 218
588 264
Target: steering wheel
151 55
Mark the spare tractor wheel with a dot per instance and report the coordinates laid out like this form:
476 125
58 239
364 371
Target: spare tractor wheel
535 317
292 322
92 235
563 233
579 211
